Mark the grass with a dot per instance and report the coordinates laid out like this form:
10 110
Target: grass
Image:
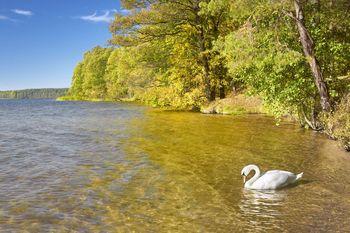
235 105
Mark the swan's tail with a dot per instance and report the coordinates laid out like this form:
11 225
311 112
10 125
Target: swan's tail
299 176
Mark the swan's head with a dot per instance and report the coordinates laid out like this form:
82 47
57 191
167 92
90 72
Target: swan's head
244 173
246 170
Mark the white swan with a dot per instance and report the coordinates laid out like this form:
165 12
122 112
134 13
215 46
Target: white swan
274 179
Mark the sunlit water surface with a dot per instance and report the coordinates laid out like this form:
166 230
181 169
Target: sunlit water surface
106 167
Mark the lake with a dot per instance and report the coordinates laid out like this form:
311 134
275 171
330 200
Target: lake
111 167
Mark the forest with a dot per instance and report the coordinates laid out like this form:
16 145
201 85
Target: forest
44 93
185 54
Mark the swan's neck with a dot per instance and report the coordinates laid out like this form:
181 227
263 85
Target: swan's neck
251 181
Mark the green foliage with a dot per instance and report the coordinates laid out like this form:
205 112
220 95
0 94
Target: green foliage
265 57
114 79
329 24
94 85
182 54
188 30
88 80
272 71
77 82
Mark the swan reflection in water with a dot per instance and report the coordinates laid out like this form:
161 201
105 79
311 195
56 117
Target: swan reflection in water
261 208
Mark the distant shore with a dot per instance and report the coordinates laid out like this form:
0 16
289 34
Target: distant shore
40 93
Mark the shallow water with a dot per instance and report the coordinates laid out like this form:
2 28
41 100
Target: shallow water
106 167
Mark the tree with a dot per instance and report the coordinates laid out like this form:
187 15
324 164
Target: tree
77 82
308 48
198 22
180 54
265 54
94 85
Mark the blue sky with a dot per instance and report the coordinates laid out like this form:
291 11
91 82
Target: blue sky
41 41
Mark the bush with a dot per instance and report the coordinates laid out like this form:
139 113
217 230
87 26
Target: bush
337 124
172 99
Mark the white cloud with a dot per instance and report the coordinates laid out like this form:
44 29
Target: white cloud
125 11
3 17
22 12
107 17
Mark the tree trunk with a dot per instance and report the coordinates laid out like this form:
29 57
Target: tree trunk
222 92
308 48
206 68
208 91
221 71
212 94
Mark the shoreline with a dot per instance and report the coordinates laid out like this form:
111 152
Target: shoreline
239 104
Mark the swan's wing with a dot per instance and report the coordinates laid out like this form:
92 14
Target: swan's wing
274 179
